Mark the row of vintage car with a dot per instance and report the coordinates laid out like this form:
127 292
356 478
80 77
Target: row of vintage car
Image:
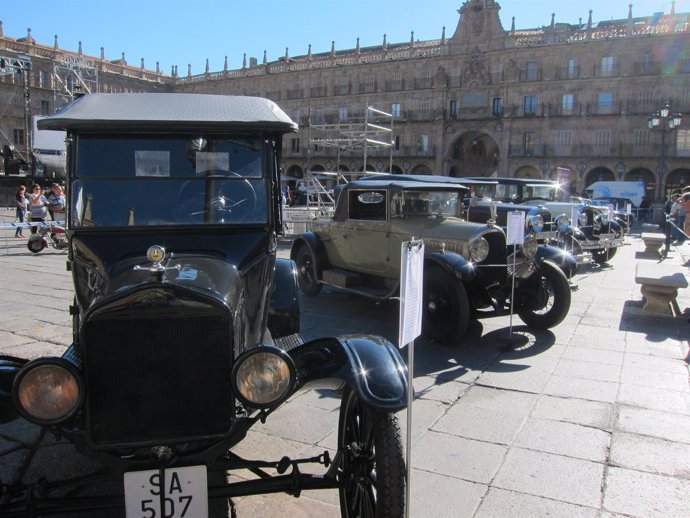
469 270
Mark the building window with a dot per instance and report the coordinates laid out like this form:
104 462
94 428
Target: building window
369 83
395 110
605 104
563 139
572 68
397 143
397 81
530 142
567 101
423 143
43 79
683 143
602 141
295 115
641 137
607 66
342 113
294 145
497 107
425 109
45 108
18 137
530 105
532 71
453 109
318 116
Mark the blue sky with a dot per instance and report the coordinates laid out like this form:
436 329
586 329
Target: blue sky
181 32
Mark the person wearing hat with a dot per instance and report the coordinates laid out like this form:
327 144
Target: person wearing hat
677 215
685 205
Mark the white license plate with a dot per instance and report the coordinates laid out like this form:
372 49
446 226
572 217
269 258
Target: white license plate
546 235
607 236
184 489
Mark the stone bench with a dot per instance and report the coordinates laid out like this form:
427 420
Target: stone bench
650 227
653 241
660 285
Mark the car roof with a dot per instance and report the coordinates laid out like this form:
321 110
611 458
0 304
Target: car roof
167 111
502 179
377 182
429 178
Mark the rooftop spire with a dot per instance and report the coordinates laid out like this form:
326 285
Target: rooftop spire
225 64
553 20
79 50
206 69
265 58
55 42
142 63
512 27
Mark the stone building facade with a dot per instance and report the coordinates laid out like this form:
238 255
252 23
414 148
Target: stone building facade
568 99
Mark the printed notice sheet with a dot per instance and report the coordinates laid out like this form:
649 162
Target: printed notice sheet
411 282
575 217
516 228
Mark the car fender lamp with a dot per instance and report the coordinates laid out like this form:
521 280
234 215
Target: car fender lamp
263 377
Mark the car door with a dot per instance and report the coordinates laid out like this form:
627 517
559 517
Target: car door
366 235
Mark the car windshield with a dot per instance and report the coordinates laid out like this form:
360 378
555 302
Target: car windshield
176 180
426 203
541 192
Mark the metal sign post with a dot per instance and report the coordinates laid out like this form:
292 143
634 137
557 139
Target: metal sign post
575 220
514 236
411 289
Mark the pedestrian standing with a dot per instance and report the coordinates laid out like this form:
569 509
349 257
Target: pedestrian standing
38 206
20 199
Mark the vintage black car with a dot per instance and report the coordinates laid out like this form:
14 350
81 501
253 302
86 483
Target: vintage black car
467 270
186 324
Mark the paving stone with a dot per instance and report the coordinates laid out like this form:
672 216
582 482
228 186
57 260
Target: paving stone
562 438
536 473
645 495
460 498
499 502
655 379
578 411
479 423
425 413
588 370
655 398
21 430
301 423
500 400
593 390
458 457
643 421
12 465
650 454
655 363
512 377
437 389
591 355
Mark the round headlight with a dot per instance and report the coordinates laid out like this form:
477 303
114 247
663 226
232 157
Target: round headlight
263 377
529 246
582 219
536 223
47 391
563 222
479 249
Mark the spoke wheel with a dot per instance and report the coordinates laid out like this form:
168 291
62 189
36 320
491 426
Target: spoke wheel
37 244
372 468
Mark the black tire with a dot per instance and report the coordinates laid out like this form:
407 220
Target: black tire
602 257
545 297
372 467
306 271
36 245
445 307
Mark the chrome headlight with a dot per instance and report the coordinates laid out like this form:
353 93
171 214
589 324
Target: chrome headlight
479 249
562 222
48 391
263 377
582 219
536 223
529 247
600 220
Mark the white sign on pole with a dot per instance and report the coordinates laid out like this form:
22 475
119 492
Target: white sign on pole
611 215
575 217
628 209
411 292
411 282
516 228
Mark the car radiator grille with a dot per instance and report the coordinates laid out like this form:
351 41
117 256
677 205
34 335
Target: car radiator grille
159 378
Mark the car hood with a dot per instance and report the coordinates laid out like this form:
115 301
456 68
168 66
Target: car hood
440 228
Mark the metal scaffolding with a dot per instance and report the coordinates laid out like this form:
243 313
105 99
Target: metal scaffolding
72 77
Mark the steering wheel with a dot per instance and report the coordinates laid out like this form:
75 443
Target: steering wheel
233 202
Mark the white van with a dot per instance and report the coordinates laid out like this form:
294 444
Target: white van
634 191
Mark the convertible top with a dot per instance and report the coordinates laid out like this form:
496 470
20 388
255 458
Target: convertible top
400 184
168 111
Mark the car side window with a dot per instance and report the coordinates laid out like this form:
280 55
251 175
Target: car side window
367 205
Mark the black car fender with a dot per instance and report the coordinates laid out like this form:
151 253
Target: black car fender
284 311
318 251
371 365
453 263
562 258
9 367
575 233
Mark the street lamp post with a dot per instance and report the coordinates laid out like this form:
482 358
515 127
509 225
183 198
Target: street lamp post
664 122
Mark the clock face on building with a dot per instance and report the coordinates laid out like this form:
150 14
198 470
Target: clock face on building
450 129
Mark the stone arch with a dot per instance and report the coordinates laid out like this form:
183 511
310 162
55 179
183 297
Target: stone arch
677 179
421 169
599 174
644 175
317 168
397 169
294 171
474 153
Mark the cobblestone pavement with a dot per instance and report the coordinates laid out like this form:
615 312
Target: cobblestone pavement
590 419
